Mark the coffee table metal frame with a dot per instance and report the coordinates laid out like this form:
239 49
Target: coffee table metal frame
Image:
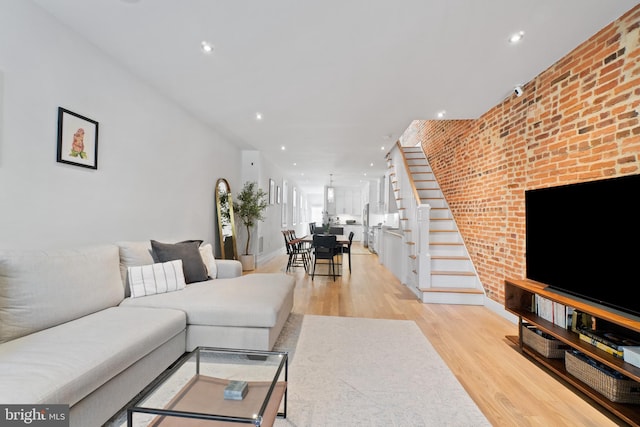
251 354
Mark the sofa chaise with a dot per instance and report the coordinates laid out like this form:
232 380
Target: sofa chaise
71 332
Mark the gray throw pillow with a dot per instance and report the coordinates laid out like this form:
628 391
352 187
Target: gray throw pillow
189 252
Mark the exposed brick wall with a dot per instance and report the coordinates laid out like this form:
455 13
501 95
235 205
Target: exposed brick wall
577 121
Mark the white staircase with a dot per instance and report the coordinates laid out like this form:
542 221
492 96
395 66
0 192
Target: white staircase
439 269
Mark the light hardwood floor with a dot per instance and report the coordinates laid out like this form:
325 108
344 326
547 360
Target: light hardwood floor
509 388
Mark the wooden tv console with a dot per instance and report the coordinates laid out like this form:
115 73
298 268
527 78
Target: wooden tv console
518 297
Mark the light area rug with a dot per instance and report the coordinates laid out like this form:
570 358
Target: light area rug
372 372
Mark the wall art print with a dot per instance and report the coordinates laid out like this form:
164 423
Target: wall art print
77 139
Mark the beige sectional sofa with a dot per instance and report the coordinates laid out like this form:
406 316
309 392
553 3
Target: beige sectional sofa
70 332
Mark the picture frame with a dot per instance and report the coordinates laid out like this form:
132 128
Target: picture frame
278 195
77 139
272 191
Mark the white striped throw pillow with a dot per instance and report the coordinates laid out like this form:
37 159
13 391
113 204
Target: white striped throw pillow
157 278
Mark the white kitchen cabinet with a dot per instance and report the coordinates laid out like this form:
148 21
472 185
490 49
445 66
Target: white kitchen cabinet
357 231
348 201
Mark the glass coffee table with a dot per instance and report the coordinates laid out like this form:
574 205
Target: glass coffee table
192 391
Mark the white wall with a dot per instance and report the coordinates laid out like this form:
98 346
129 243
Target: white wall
270 230
157 165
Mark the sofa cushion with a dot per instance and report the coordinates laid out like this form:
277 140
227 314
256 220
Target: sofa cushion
65 363
188 252
228 268
41 289
156 278
252 300
206 252
133 254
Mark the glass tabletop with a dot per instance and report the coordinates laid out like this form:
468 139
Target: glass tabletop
216 386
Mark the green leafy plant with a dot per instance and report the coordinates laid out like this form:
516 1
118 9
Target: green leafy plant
249 205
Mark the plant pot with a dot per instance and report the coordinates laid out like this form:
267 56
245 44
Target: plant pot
248 262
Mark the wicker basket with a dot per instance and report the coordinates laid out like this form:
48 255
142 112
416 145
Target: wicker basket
549 348
614 389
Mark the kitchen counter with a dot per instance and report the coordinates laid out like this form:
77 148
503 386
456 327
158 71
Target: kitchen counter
358 230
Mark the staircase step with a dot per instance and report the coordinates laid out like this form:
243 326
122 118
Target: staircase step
438 212
453 279
451 263
444 236
434 202
446 249
457 290
438 224
461 257
453 273
460 296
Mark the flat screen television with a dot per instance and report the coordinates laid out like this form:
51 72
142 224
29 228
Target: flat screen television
584 239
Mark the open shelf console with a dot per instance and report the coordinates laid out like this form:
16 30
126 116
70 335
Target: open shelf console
519 295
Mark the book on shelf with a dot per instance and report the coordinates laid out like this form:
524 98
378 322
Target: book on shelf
551 311
569 313
609 338
602 346
559 314
581 321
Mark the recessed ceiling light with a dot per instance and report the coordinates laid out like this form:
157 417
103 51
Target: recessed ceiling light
441 114
206 47
295 164
282 148
258 116
516 37
371 164
382 148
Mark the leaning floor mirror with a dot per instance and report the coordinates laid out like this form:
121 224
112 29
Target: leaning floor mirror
226 225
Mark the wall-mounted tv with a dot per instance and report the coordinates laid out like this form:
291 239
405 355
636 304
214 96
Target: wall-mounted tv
584 239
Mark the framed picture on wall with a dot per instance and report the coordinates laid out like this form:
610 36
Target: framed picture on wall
278 195
77 139
272 191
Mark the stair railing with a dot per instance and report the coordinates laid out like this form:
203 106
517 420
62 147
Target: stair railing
415 217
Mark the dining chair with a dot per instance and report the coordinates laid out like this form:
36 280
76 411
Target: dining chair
336 230
324 248
303 247
297 256
346 248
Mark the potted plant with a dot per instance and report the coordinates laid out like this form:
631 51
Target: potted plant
249 206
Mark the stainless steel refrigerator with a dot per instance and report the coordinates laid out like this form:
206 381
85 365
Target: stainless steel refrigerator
365 224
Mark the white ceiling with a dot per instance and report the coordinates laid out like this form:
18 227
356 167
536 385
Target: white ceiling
335 79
